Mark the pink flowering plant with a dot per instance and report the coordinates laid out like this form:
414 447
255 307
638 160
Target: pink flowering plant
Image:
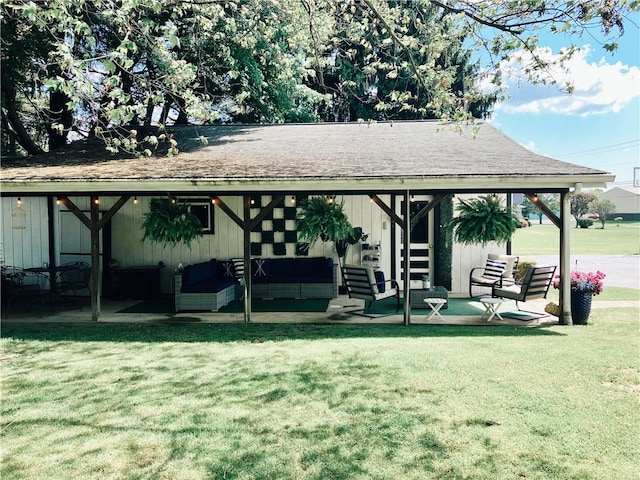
590 282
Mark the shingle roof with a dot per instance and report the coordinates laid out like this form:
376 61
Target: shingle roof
422 153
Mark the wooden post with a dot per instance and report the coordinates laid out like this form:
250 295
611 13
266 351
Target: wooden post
95 224
95 258
407 256
246 229
565 260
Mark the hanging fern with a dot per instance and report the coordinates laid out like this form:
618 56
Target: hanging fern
169 221
322 219
483 220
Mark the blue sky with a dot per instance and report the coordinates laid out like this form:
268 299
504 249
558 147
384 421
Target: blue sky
598 125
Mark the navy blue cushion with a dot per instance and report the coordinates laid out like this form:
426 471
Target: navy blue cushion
315 267
199 272
380 281
208 286
282 268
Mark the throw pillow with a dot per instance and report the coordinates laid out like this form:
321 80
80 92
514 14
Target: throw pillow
379 274
494 269
511 262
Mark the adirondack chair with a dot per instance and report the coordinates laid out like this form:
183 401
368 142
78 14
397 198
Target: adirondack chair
360 282
535 284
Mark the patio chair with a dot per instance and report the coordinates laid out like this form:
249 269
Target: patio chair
22 286
535 284
72 278
361 282
499 270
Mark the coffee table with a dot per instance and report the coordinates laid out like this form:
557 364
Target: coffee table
417 296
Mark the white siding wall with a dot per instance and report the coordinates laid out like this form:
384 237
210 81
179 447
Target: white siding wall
27 247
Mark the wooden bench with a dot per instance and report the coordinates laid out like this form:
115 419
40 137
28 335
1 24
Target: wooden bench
360 282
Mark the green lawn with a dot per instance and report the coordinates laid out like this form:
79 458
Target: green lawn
322 401
616 238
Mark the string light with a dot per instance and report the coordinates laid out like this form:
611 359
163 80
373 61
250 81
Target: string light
96 201
135 200
19 202
293 199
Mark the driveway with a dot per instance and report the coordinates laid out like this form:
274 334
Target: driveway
621 270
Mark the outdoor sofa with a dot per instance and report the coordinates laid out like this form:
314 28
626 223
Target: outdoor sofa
211 285
204 286
294 277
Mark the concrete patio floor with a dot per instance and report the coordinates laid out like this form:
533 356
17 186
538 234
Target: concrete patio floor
336 313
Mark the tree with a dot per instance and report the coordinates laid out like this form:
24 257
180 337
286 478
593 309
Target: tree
81 68
580 204
551 200
603 207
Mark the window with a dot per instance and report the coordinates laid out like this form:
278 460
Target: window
203 209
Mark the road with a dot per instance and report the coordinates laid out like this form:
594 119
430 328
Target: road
621 270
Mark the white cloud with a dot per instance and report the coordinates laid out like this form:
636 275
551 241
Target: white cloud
599 87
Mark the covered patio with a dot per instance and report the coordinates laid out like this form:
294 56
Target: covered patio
388 163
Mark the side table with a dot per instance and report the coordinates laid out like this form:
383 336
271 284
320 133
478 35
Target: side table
491 306
435 304
417 296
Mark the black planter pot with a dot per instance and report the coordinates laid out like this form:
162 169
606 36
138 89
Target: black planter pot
580 307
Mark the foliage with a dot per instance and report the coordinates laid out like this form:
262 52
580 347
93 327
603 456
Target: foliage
603 207
585 222
356 235
169 221
482 220
74 68
551 200
522 267
579 203
444 249
322 218
544 240
584 282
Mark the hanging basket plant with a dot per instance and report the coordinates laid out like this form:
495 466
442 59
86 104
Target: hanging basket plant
169 221
322 218
482 220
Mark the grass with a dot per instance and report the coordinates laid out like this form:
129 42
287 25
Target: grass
616 239
611 294
322 401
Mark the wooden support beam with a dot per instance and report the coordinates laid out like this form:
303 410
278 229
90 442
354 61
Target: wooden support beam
230 213
565 260
247 257
426 209
266 211
95 223
406 240
544 209
385 208
95 258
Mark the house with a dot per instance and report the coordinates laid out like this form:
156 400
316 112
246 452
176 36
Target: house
627 201
387 173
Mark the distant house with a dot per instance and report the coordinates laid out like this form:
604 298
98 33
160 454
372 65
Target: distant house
627 200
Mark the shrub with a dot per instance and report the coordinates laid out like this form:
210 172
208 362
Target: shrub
618 219
585 222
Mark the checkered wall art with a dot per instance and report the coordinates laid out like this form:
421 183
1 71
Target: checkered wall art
276 235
